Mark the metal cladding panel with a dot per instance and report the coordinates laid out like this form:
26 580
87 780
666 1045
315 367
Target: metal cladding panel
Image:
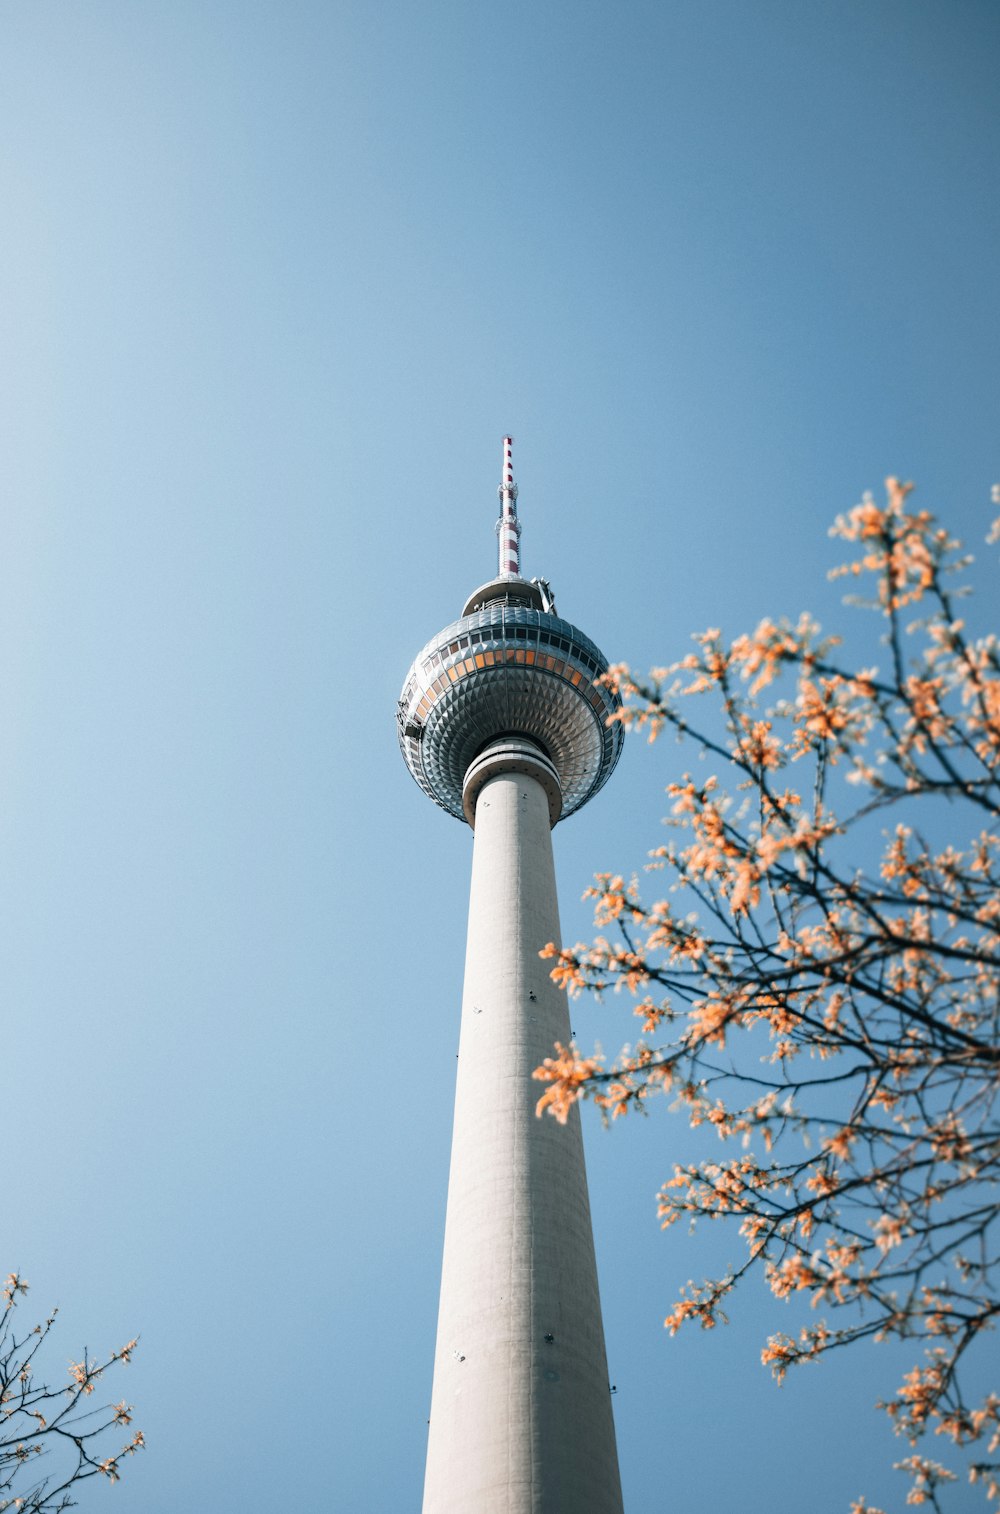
508 669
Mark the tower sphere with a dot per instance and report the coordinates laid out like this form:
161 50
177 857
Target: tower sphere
509 667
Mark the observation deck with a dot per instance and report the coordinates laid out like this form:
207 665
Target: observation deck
508 667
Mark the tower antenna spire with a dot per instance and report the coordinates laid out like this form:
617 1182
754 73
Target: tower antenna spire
508 526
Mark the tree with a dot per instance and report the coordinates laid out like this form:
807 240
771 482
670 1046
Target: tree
821 986
37 1421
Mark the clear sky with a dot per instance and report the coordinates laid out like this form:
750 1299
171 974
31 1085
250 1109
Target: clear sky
276 278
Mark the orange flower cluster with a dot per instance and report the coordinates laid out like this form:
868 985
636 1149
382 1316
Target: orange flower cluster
905 550
14 1285
566 1074
699 1302
569 972
761 656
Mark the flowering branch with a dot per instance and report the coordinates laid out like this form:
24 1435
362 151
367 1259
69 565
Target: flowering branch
822 981
38 1422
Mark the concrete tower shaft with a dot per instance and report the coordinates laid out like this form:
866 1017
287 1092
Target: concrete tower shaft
521 1418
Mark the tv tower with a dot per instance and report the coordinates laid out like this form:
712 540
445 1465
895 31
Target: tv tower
503 723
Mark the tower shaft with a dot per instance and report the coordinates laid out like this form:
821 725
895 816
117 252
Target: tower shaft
521 1418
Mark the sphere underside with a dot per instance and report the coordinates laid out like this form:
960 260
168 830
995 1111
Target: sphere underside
508 670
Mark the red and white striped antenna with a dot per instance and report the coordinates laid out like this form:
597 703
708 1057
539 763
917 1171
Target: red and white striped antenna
508 526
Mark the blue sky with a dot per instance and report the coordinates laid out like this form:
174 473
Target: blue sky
275 282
